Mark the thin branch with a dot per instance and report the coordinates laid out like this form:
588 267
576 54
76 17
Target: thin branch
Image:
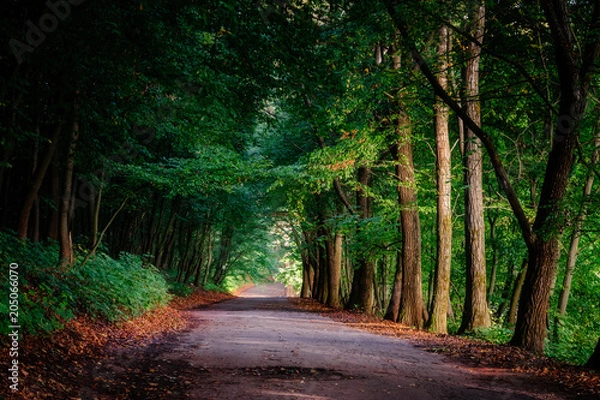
521 69
93 251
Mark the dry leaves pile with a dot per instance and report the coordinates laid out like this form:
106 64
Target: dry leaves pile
55 366
471 352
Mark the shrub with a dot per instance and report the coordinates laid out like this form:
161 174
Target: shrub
104 287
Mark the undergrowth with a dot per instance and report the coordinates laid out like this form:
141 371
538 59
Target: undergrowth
105 288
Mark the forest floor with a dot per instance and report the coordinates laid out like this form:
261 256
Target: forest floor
264 346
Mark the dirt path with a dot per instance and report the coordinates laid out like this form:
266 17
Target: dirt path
258 347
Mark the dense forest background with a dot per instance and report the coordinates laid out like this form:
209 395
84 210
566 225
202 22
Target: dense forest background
433 162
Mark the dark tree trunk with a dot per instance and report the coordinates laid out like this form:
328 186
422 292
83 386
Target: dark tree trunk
361 294
36 183
394 305
335 271
576 233
224 253
65 241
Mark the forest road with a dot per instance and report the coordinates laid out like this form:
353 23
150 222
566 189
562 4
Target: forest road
258 347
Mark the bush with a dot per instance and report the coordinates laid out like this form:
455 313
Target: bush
104 288
45 299
119 289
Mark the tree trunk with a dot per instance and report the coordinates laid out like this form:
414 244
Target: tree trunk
506 291
574 61
494 244
224 253
65 241
514 300
361 294
36 183
96 213
476 313
440 300
394 305
335 272
412 309
576 233
55 195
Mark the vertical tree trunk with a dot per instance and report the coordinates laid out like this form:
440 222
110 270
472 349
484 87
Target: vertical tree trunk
514 300
96 213
55 195
394 305
335 271
36 183
361 294
224 253
476 313
576 233
441 286
412 308
494 244
65 241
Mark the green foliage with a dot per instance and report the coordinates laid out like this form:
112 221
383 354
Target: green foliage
572 341
45 295
103 288
497 334
291 276
118 289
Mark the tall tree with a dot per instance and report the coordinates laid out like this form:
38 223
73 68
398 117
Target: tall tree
440 302
475 312
574 73
412 308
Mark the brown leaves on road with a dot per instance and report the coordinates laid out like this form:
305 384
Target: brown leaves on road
473 353
58 365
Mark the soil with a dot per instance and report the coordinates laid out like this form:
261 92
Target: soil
262 346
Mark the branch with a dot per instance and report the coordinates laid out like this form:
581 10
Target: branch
501 175
521 69
336 184
342 195
93 251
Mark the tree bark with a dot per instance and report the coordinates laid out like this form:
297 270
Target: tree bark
440 301
412 308
335 271
224 253
514 299
476 313
574 74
